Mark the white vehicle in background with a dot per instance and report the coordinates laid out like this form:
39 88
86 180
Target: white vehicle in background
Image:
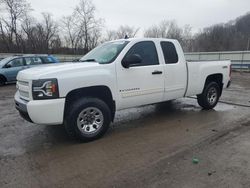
116 75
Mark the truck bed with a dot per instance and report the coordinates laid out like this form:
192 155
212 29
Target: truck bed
199 70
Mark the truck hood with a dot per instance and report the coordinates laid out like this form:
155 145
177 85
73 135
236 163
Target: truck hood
55 70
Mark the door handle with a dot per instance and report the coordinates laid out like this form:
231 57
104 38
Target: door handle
157 72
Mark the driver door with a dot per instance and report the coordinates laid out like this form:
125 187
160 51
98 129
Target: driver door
141 83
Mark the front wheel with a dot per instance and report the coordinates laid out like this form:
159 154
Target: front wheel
2 81
210 96
87 119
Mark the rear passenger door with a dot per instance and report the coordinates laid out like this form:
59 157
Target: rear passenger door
141 83
175 71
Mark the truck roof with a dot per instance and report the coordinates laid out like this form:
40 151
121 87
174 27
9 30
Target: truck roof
146 39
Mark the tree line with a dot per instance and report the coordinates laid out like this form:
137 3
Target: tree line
20 32
231 36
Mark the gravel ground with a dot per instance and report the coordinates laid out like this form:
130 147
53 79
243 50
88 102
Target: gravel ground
150 146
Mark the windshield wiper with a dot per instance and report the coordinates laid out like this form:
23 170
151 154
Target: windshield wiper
88 60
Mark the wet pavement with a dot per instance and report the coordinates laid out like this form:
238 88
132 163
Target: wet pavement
150 146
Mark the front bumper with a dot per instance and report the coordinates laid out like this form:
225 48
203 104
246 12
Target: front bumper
44 112
21 106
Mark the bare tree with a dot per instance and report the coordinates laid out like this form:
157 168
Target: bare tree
126 31
40 37
14 12
110 35
174 31
55 44
87 24
121 33
82 31
72 32
94 38
158 31
166 29
187 38
28 36
170 29
50 30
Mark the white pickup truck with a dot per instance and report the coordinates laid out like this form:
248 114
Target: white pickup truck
116 75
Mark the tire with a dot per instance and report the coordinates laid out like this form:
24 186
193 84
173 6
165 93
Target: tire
2 81
210 96
87 119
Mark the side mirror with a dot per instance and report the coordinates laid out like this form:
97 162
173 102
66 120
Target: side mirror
131 60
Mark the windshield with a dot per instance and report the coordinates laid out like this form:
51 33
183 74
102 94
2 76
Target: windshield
105 53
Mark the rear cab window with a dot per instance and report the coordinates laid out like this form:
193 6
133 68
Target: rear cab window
169 52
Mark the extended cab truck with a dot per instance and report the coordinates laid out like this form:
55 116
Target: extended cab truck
84 96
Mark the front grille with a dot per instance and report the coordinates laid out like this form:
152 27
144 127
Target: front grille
23 83
24 89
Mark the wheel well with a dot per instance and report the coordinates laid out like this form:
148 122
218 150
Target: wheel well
100 92
3 77
218 78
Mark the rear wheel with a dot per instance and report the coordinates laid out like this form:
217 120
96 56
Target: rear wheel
87 119
210 96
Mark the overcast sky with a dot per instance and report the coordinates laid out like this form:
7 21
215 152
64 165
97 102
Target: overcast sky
144 13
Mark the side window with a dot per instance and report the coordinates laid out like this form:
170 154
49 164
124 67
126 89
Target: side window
37 61
28 60
147 51
33 60
47 60
16 63
169 51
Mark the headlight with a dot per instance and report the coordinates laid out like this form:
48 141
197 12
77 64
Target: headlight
45 89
